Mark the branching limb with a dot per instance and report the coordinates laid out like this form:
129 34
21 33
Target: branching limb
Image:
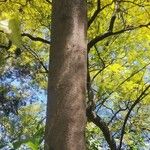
112 21
141 96
127 79
92 116
113 18
97 11
97 120
36 38
114 116
108 34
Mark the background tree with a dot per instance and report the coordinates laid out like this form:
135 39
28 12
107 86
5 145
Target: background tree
118 71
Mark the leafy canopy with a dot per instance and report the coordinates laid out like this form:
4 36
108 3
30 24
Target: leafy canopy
118 72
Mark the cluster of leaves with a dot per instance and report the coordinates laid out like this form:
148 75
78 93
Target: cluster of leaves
119 68
23 73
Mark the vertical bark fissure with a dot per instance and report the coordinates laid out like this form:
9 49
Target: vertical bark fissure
66 110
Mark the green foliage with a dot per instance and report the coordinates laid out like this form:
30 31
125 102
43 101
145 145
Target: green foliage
118 66
28 130
15 35
93 136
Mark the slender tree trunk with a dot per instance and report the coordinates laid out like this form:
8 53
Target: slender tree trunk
66 111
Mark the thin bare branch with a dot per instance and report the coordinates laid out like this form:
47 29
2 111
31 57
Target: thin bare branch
36 57
114 116
141 96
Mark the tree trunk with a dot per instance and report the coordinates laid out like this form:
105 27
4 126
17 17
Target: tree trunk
66 111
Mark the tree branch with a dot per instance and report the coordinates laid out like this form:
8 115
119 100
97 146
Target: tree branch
3 0
141 96
114 116
97 11
90 93
33 38
112 21
134 73
113 17
92 116
97 120
110 33
95 14
36 38
36 57
49 2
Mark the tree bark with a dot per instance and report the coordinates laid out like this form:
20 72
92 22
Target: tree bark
66 110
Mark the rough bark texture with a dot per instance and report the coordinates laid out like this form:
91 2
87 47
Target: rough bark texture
66 111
